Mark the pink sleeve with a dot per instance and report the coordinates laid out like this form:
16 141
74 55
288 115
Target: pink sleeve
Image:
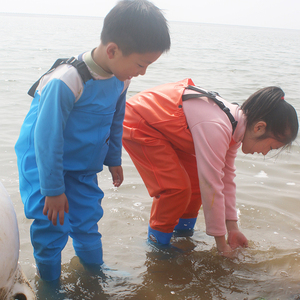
212 134
229 184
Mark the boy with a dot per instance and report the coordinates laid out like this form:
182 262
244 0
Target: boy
74 127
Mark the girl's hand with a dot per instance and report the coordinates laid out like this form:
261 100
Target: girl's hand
237 239
227 251
117 175
56 206
223 248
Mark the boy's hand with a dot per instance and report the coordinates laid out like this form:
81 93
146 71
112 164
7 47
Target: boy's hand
56 206
117 175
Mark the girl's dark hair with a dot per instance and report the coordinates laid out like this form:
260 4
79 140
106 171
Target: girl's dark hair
136 26
268 105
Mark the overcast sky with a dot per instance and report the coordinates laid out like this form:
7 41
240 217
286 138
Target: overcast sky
262 13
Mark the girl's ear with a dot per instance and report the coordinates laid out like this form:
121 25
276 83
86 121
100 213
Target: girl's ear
259 128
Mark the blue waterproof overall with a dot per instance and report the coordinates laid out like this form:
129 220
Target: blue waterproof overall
63 144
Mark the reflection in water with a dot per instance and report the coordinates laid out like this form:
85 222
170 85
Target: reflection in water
80 282
205 275
185 271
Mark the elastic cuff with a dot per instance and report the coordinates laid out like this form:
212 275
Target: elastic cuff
159 237
49 272
186 224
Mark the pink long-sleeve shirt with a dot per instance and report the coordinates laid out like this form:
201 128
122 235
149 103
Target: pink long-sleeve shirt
215 154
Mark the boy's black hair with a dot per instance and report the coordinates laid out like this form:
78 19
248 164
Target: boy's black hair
136 26
268 105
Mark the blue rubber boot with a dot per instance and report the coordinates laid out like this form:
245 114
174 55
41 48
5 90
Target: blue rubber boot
161 243
158 237
185 227
49 272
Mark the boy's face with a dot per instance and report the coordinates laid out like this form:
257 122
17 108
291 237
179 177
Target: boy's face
132 65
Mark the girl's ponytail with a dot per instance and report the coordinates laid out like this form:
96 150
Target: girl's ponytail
268 105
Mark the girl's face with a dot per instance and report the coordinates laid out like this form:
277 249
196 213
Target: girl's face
253 143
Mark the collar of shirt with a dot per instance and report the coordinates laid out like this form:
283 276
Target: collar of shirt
96 70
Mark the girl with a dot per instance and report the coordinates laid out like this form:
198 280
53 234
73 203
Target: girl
184 140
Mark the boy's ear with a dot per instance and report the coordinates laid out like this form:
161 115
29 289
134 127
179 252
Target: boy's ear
111 50
260 128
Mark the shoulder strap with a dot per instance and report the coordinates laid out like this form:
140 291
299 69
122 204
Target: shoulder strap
213 96
78 64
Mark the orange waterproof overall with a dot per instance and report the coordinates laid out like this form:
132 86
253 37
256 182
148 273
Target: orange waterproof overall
158 140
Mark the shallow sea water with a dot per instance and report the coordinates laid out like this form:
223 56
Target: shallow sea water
235 61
